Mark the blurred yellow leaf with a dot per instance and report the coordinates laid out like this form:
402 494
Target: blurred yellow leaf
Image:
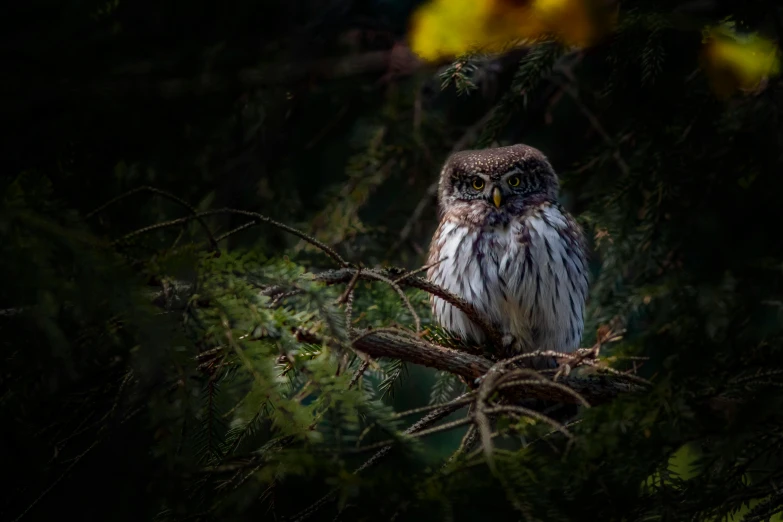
733 61
579 23
448 28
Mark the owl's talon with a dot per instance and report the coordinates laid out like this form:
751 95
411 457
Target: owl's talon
564 370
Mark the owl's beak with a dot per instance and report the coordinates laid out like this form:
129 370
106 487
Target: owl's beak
496 197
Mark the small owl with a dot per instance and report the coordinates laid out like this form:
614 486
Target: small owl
506 245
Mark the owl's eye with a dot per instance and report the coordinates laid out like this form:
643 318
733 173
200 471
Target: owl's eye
513 181
478 183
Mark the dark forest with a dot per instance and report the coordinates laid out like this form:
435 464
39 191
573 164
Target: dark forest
214 235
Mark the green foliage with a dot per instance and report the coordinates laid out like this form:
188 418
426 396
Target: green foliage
460 74
445 388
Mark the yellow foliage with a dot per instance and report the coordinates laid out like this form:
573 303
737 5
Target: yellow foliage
734 61
579 23
448 28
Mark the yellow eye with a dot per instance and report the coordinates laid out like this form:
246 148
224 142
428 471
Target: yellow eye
478 183
513 181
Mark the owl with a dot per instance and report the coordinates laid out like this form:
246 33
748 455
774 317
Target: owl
506 245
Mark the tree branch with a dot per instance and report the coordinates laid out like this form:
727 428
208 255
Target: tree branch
595 389
332 277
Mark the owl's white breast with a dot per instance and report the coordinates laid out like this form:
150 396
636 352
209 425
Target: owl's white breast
527 276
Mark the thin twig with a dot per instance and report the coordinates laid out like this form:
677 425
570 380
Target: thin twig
351 284
349 313
59 479
226 235
467 398
331 277
167 195
466 443
401 293
457 402
259 218
485 389
629 376
285 295
359 372
291 230
530 413
419 270
329 126
596 124
385 329
437 429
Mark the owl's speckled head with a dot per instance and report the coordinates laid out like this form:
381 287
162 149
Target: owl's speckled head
502 177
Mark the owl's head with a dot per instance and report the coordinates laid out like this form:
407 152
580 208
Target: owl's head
500 178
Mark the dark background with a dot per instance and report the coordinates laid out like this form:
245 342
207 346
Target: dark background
315 114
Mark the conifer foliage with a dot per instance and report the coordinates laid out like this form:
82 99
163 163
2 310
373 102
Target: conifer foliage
213 306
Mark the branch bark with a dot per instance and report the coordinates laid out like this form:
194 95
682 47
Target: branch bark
596 389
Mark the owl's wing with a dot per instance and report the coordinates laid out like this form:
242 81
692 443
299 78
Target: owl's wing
576 244
554 287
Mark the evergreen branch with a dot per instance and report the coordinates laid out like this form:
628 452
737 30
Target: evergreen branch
194 214
332 277
426 421
758 375
533 69
595 123
374 275
444 387
459 73
423 433
766 508
396 368
395 343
